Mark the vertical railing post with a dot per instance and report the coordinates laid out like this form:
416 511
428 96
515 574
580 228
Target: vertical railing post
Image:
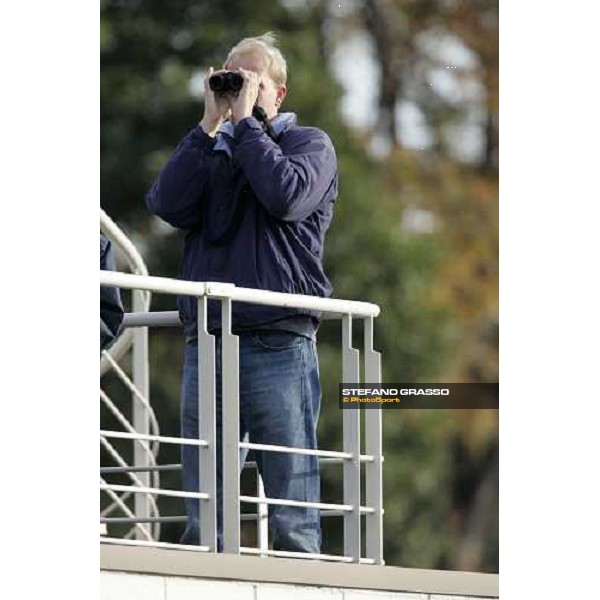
140 417
231 432
207 429
351 423
262 525
373 446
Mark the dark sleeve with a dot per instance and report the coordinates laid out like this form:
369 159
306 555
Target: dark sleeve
289 184
111 308
176 195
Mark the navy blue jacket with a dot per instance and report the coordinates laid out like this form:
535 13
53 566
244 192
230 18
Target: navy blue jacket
256 212
111 308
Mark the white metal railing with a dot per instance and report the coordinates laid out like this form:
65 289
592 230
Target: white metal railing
143 418
351 457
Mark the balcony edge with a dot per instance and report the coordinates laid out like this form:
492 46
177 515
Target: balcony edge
182 563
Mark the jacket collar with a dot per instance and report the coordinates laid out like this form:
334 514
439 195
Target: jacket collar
225 134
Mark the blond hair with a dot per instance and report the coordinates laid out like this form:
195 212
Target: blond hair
264 46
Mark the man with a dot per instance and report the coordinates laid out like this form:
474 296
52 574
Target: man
111 308
256 210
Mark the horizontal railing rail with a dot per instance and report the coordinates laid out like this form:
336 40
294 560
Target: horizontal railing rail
238 294
170 318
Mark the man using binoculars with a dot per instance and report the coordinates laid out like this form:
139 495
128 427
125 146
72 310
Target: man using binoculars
255 193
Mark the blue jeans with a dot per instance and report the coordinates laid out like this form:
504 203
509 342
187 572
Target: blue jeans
280 396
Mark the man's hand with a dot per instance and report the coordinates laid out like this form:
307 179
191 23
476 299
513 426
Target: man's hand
243 103
216 106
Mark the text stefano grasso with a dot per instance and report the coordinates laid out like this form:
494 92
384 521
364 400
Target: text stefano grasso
396 392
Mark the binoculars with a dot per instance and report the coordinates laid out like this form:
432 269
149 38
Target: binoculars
229 81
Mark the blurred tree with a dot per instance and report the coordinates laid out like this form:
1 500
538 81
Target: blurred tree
414 231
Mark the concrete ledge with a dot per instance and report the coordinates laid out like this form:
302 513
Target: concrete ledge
185 563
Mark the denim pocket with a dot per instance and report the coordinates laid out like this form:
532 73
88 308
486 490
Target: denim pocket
278 340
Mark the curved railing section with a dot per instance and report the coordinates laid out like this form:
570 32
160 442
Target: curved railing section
136 265
137 385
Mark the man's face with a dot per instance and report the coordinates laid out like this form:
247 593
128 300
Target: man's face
270 95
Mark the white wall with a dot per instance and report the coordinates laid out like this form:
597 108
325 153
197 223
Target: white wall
116 585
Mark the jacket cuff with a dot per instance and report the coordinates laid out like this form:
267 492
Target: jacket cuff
201 139
245 125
